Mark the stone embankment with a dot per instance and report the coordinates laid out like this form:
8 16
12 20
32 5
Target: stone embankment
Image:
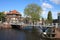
5 26
57 31
8 26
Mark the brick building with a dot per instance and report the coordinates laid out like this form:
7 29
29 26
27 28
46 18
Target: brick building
13 16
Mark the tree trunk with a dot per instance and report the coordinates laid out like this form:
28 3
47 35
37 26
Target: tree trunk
33 24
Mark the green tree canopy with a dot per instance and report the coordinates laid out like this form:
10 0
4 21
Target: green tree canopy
49 18
33 11
2 16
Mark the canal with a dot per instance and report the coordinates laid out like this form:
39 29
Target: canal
15 34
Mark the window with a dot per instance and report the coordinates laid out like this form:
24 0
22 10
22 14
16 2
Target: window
14 15
14 20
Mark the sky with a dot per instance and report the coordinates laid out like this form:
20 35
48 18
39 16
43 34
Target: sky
19 5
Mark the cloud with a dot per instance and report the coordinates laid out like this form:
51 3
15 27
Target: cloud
56 1
46 5
43 12
55 15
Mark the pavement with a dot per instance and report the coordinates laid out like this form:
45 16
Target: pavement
57 31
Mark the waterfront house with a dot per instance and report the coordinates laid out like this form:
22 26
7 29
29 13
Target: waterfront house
13 16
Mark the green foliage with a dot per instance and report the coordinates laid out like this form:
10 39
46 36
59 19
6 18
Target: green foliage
35 17
26 19
33 11
49 18
1 16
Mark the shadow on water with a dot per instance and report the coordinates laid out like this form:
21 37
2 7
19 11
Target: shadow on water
16 27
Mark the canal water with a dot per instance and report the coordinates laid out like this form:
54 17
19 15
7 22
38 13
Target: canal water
14 34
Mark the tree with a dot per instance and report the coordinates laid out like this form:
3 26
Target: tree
2 16
49 18
33 11
26 20
42 21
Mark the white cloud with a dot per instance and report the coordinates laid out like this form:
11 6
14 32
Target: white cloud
43 12
46 5
55 14
56 1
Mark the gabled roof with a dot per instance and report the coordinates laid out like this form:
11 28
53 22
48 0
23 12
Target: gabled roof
13 12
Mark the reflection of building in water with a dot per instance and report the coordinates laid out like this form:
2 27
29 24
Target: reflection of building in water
13 16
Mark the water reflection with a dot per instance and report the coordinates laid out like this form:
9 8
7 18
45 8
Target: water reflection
13 34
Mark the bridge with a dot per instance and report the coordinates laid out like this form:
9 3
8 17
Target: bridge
16 25
47 31
24 25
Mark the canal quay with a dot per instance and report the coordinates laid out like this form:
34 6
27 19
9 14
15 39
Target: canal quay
29 19
16 27
28 32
